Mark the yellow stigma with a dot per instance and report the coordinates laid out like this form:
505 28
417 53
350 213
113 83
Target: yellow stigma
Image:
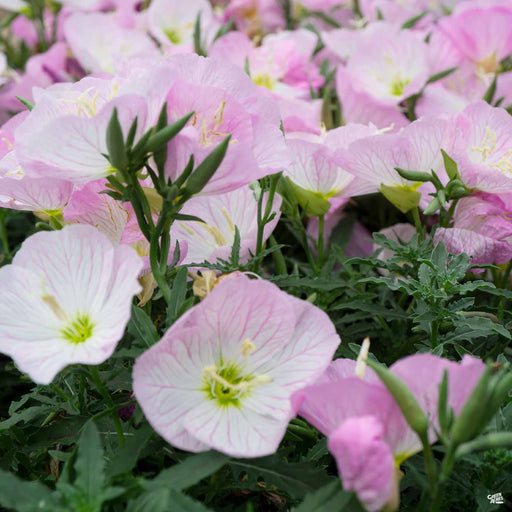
264 80
78 330
227 384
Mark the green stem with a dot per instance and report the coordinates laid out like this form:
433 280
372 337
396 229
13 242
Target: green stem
96 379
320 242
279 260
263 217
417 222
3 234
430 464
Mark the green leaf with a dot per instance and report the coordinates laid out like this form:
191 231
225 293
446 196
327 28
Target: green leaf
412 21
491 91
165 500
235 249
28 414
142 328
24 496
25 102
272 473
115 143
190 472
450 165
126 457
90 467
441 75
160 155
206 169
330 498
178 295
163 136
198 47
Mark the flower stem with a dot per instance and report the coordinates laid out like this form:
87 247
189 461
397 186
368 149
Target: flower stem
96 379
320 242
3 235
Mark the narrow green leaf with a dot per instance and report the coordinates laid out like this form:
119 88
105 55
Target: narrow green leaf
412 21
142 327
464 426
178 295
441 75
491 91
450 165
163 136
206 169
115 143
25 102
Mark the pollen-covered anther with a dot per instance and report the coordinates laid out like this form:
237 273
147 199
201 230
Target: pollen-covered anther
488 145
248 347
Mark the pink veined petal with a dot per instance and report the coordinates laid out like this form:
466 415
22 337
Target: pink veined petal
55 279
364 460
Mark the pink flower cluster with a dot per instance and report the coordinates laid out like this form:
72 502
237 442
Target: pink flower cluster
235 368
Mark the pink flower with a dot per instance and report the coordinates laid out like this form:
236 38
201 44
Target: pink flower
360 107
41 70
64 136
282 64
172 22
102 45
481 35
389 65
256 16
366 431
223 375
213 238
225 102
18 192
316 168
482 147
416 148
482 228
66 299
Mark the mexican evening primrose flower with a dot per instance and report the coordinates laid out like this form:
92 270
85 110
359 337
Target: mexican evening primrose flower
65 299
222 376
367 433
